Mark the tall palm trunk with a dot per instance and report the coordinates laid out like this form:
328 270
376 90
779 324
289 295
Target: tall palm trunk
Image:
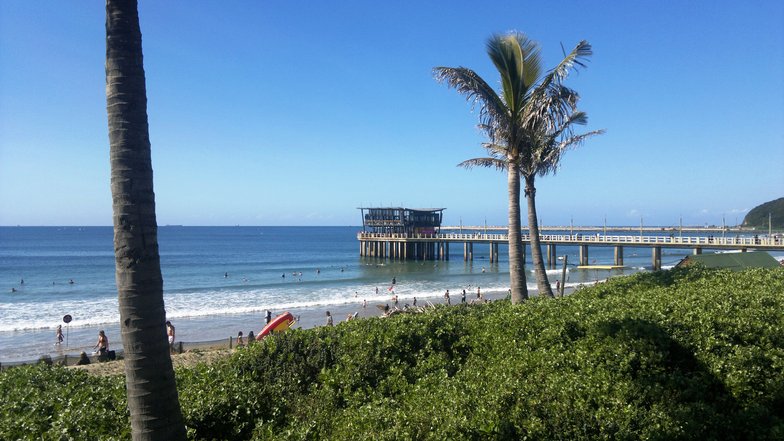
516 250
152 392
536 248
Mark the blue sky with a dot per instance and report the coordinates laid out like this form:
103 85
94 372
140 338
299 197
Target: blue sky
298 112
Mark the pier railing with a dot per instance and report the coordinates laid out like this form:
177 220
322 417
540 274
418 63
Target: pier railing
739 242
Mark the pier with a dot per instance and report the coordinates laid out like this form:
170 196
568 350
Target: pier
411 241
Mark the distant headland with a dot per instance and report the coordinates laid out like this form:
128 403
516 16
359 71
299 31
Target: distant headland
770 213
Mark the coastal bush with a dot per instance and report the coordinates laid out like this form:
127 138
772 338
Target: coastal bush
681 354
51 402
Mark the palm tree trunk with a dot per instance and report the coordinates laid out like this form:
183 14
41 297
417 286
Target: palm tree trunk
536 248
152 392
516 262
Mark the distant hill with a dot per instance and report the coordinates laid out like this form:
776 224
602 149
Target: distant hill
758 216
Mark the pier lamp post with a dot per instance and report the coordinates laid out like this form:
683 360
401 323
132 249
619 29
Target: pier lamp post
640 228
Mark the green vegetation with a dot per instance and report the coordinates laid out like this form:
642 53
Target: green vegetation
758 216
683 354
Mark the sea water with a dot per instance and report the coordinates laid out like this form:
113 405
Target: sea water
220 279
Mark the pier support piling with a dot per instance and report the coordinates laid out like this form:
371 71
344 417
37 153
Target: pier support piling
656 258
583 255
619 256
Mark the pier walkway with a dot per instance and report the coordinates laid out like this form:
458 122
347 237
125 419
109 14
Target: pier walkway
436 246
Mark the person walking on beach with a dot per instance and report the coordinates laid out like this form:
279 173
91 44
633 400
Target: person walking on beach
414 301
170 334
59 334
329 319
103 344
478 292
268 316
463 297
446 296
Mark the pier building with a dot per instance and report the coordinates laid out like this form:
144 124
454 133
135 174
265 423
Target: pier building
402 233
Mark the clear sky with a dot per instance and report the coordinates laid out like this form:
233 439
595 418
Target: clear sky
298 112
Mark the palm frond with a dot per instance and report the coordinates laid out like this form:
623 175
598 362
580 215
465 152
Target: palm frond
518 61
495 163
551 157
493 111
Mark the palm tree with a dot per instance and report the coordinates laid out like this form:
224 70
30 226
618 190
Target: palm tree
553 136
548 147
529 101
152 393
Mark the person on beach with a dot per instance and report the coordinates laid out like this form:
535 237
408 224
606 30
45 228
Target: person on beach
170 334
103 344
329 319
268 316
239 339
364 303
478 293
414 301
83 359
59 334
446 296
251 337
463 297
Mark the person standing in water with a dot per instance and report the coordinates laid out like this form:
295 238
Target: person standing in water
59 334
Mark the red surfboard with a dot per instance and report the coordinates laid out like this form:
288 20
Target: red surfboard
278 324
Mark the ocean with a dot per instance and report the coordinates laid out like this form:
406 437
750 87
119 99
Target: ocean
218 280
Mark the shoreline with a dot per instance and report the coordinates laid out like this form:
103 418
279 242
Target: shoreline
200 335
